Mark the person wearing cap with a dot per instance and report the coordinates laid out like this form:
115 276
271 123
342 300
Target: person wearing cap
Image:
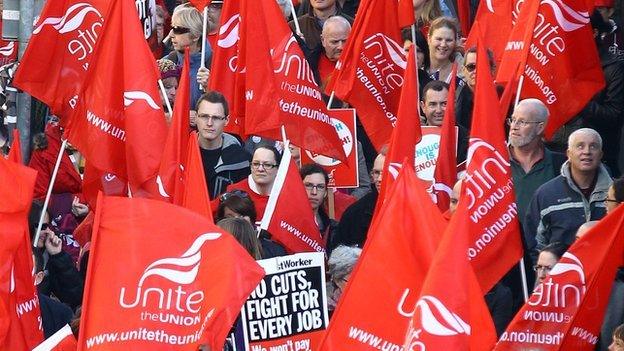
170 76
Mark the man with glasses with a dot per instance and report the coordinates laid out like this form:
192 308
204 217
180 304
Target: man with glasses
225 161
464 96
315 180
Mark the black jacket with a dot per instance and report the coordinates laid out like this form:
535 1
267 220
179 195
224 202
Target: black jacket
63 280
355 222
54 315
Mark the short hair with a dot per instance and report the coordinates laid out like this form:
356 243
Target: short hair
337 20
489 53
244 233
582 131
342 260
244 206
435 85
264 145
313 168
556 248
190 18
618 333
618 189
214 97
536 106
39 260
444 22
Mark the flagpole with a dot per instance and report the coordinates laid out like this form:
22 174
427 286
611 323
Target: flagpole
525 288
520 82
413 29
295 19
205 32
164 94
49 193
331 100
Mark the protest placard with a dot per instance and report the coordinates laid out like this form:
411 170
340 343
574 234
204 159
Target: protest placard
427 152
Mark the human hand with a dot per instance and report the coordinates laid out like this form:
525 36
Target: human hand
79 209
53 244
202 77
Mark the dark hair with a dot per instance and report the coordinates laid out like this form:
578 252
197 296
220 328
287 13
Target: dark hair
39 261
421 43
276 154
313 168
214 97
490 55
244 233
33 218
244 206
556 248
618 189
435 85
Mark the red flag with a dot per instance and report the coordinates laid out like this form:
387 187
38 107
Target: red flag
495 22
288 215
369 73
445 173
175 151
164 297
377 304
62 340
195 196
18 293
278 72
224 67
8 50
451 313
55 63
508 95
492 221
566 310
553 73
406 13
118 125
463 12
200 4
15 154
407 132
95 181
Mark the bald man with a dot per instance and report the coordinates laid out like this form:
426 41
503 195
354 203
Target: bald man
334 36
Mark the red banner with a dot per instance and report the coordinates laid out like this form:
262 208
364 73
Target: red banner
164 297
494 19
62 340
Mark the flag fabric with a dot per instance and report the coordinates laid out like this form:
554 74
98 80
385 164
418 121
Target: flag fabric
463 14
492 221
164 297
278 74
94 181
566 310
288 215
224 67
62 340
495 20
200 4
451 313
15 154
118 125
195 195
57 58
560 34
445 173
369 73
175 150
407 132
18 294
406 13
381 294
509 94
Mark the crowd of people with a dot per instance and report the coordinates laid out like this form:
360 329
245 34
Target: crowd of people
563 186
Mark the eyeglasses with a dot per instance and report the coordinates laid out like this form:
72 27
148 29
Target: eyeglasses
612 200
238 193
317 187
521 123
45 226
470 67
212 118
375 173
538 268
180 30
266 166
215 7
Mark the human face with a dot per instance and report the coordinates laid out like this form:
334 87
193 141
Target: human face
322 4
377 170
584 153
181 41
434 106
229 213
171 86
470 69
333 40
214 16
524 128
265 173
455 197
210 120
610 202
316 188
441 44
545 262
616 345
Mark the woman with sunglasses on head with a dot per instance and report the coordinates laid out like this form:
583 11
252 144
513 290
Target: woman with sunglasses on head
186 32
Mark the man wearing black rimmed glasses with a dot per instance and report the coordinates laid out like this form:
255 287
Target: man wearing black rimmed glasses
225 161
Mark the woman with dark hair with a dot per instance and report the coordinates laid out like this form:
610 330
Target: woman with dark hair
548 258
615 195
244 233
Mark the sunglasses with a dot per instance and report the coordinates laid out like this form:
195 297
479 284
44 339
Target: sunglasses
180 30
238 193
470 67
45 226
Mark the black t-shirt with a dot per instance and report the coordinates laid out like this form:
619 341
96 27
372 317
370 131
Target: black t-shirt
209 160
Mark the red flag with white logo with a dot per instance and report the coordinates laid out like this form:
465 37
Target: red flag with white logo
553 73
62 340
369 73
18 292
407 132
451 313
445 173
118 124
280 85
8 50
495 20
195 195
492 221
288 215
380 296
164 297
94 181
174 154
56 60
566 310
224 67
